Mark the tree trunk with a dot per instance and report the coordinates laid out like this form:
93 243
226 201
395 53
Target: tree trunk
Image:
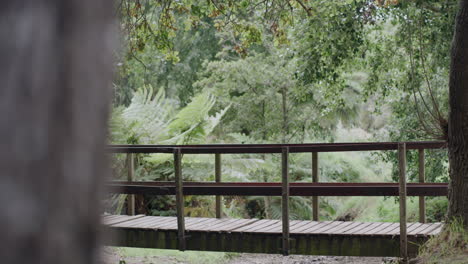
458 118
284 99
55 71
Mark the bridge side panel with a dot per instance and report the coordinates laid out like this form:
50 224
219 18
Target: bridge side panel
301 244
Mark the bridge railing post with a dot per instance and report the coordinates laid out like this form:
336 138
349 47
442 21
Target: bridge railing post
218 179
285 199
421 174
402 194
130 177
315 179
179 198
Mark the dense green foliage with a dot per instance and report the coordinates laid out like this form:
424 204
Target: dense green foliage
283 71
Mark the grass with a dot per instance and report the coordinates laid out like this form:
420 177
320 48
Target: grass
450 246
149 256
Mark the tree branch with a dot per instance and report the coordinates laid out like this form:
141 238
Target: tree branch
304 7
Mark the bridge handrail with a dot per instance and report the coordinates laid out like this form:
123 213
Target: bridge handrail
274 148
274 188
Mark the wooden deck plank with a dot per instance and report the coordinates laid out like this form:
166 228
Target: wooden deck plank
357 228
203 225
244 227
237 223
277 227
221 223
419 229
332 226
136 223
146 219
269 225
433 227
192 221
200 224
346 228
155 223
396 229
264 225
436 231
110 219
168 225
255 226
274 228
429 228
378 226
299 226
366 229
141 222
413 227
262 236
317 226
305 227
241 225
384 229
122 220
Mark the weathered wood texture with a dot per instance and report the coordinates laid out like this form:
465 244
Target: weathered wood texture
285 200
218 180
274 188
265 236
315 179
458 118
422 179
55 72
130 177
274 148
179 199
402 181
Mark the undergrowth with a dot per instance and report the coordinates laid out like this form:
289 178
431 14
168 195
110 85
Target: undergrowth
450 246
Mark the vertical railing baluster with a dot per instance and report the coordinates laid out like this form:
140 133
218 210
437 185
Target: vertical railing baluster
130 178
285 199
422 176
315 179
179 198
402 193
218 179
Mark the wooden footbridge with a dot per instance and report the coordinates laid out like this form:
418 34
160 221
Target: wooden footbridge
274 236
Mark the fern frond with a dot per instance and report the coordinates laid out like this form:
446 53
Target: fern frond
149 115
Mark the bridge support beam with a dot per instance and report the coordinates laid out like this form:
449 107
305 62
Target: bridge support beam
402 191
179 198
218 179
315 179
422 203
130 178
285 199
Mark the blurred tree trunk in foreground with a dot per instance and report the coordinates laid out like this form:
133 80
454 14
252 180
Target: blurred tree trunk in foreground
458 118
55 72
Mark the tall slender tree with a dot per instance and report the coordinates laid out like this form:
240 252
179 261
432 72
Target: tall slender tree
458 118
55 71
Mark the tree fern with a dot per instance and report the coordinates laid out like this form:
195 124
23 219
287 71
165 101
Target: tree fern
149 115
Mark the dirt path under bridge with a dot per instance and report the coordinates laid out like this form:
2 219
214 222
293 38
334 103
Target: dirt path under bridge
141 256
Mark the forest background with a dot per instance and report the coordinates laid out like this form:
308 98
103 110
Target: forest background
280 71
